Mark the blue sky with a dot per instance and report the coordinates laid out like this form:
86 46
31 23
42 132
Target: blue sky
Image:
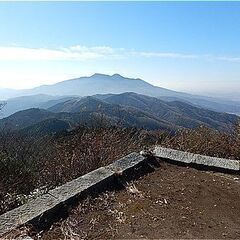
191 47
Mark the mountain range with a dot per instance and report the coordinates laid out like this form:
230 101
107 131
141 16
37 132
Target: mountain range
42 101
126 109
44 96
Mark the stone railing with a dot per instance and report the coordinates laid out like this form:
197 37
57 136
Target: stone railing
55 199
196 159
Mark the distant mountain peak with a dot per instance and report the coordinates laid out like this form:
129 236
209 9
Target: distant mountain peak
100 83
99 75
117 75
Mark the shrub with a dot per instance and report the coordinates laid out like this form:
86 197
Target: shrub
207 142
34 165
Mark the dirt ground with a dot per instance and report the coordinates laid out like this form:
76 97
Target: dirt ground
171 202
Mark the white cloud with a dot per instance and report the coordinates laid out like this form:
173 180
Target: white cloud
165 55
83 53
80 53
21 53
229 59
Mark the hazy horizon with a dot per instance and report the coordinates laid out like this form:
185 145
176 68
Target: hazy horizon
190 47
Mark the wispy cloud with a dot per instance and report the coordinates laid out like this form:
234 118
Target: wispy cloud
80 53
229 59
165 55
83 53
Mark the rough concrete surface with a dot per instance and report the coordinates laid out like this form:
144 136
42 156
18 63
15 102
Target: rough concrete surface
41 205
190 158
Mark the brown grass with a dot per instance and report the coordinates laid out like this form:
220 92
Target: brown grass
207 142
30 164
29 167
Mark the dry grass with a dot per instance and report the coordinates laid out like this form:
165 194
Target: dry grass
29 167
207 142
85 150
32 166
